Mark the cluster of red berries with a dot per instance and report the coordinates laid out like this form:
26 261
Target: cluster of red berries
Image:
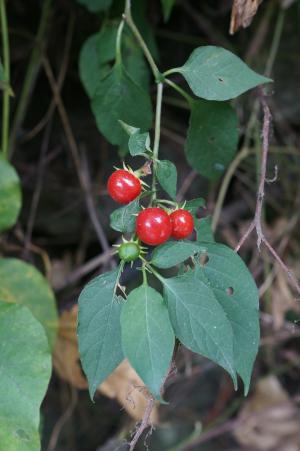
154 225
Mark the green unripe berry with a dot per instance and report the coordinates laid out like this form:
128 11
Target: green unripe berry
128 252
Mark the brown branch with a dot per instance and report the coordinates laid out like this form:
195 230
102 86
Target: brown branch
144 424
256 223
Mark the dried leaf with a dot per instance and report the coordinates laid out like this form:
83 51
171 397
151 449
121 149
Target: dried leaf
123 384
242 13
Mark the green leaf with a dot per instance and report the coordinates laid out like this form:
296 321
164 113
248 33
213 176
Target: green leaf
212 138
135 62
203 230
96 5
147 336
99 333
214 73
172 253
166 173
123 219
167 8
138 143
118 97
22 284
198 319
10 195
237 294
25 363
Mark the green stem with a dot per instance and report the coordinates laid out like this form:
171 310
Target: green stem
167 202
181 91
156 135
119 43
6 67
275 42
174 70
145 281
127 16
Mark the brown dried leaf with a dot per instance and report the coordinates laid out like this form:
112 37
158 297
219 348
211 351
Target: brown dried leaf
242 13
269 420
123 384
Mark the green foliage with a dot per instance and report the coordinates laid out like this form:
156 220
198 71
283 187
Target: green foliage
116 94
166 173
99 332
203 229
25 363
10 195
123 219
4 84
167 6
22 284
96 5
193 205
138 143
214 73
198 320
147 336
237 294
211 146
172 253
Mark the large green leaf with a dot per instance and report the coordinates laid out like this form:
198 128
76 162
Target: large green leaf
214 73
96 5
212 137
118 97
22 283
123 219
167 6
198 320
172 253
10 195
166 173
147 336
25 363
99 333
236 292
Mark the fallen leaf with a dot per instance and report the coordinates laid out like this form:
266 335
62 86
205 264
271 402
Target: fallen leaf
242 13
123 384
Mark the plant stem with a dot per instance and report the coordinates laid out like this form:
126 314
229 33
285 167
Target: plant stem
6 67
127 16
119 43
174 70
181 91
167 202
156 135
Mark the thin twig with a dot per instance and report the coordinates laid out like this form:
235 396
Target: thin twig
6 69
145 423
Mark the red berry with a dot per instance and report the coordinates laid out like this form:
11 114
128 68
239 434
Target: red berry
182 224
153 226
123 186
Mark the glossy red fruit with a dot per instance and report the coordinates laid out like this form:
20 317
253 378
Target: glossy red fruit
182 224
123 186
153 226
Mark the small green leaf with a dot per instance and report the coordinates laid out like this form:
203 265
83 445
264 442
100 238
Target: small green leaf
22 284
167 8
113 101
138 143
214 73
172 253
147 336
237 294
99 332
203 230
166 173
96 5
123 219
193 205
10 195
198 320
25 363
212 138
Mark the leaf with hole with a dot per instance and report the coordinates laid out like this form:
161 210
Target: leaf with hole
138 143
198 320
99 332
23 284
212 138
96 5
214 73
147 336
123 219
10 195
236 292
172 253
25 363
113 100
166 173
